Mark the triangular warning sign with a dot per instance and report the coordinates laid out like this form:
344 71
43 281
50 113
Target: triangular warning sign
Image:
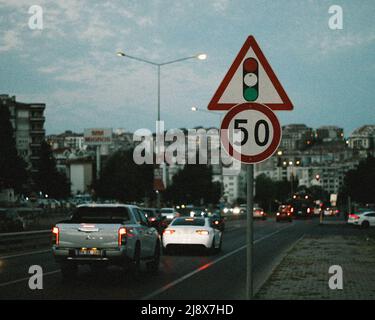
250 79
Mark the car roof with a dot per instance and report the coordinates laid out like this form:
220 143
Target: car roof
106 205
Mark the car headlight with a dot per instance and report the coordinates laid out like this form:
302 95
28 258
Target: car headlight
236 210
226 210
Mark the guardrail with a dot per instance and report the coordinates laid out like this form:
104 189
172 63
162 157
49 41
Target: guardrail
16 241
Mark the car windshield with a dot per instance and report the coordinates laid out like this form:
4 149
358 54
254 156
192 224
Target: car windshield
101 214
149 213
167 211
188 222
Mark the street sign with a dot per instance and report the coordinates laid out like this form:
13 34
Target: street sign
158 179
98 136
250 132
250 79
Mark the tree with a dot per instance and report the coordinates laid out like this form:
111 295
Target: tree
122 179
193 185
359 183
47 178
13 173
265 191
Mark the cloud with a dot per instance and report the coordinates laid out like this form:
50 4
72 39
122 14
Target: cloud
335 41
10 40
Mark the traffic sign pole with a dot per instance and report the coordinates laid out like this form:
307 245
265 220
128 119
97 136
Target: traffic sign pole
249 210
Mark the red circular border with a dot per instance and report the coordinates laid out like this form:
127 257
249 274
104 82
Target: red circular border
276 129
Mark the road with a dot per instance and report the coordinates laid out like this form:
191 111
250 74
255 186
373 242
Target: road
184 275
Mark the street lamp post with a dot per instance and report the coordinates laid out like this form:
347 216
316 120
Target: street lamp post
201 56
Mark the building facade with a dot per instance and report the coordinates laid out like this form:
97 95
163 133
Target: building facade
28 123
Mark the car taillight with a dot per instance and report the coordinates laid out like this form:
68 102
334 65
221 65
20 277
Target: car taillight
169 231
291 210
202 232
152 219
353 216
55 236
122 236
308 210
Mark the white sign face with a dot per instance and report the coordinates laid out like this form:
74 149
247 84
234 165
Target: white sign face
250 132
98 136
250 79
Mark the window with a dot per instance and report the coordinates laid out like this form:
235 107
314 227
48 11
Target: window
142 217
101 215
189 222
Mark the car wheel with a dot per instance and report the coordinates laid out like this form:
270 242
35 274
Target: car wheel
365 224
220 244
68 270
136 263
153 266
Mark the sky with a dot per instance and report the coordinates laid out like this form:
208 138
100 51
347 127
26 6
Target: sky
71 63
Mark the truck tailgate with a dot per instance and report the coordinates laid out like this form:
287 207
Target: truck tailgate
83 235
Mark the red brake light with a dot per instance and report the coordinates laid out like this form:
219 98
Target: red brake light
353 216
169 231
55 235
122 236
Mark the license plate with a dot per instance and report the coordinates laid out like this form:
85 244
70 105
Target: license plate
89 252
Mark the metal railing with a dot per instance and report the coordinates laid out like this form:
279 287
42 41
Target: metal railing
17 241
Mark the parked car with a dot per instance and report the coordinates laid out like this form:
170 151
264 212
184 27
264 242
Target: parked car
190 231
364 219
10 221
102 234
284 213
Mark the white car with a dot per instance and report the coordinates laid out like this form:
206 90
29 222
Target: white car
363 219
168 213
195 231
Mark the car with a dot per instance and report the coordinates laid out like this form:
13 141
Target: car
364 219
302 210
192 231
11 221
106 234
169 213
155 219
218 220
284 213
258 213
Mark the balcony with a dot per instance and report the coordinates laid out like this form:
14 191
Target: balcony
37 118
37 131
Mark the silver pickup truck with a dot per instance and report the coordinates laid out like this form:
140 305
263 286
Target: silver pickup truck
102 234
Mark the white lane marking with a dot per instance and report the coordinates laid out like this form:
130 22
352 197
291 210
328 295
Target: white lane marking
179 280
4 284
25 254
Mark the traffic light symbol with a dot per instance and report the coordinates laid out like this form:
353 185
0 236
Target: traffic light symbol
250 79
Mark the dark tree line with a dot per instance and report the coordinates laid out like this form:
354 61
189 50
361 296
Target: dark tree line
122 179
193 185
13 173
13 169
359 183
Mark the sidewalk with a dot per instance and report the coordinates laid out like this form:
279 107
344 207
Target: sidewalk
303 273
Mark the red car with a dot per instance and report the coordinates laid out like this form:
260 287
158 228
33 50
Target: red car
284 213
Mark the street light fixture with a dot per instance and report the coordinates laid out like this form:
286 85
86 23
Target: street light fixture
200 56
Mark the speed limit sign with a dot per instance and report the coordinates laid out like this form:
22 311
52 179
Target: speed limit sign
250 132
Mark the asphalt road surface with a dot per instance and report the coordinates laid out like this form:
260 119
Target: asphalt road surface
182 275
